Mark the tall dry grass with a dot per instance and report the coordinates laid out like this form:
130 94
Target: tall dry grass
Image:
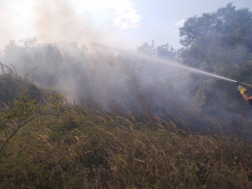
89 149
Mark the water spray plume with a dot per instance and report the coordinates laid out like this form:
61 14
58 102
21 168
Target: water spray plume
168 62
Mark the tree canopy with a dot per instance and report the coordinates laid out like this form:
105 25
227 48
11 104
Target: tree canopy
227 27
220 43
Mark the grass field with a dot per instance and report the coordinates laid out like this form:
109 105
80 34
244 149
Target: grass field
72 147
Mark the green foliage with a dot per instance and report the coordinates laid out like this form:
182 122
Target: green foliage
219 43
227 27
24 111
11 85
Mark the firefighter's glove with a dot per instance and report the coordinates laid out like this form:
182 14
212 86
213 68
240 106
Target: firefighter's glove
241 89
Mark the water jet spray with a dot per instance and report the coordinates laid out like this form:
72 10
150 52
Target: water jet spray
172 63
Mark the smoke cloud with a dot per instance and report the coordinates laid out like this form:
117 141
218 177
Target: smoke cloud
55 21
63 57
5 27
119 81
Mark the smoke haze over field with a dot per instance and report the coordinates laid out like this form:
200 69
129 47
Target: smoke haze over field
123 81
63 57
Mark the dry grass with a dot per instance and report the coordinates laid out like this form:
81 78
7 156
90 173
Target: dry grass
99 150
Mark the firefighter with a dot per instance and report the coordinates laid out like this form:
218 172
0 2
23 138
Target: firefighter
243 92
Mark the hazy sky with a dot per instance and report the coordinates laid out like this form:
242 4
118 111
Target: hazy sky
119 22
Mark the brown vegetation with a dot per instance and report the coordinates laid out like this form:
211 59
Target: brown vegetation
87 149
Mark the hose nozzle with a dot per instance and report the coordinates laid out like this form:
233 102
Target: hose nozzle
245 84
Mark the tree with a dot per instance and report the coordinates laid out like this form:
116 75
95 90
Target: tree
147 49
167 52
227 26
212 36
220 43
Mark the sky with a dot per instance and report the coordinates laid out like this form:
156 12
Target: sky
124 23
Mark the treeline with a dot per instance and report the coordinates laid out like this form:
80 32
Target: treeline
218 42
